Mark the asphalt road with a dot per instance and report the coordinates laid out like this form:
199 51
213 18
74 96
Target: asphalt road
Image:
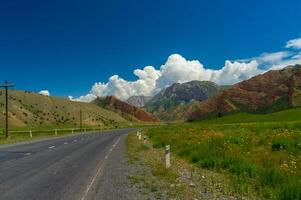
85 166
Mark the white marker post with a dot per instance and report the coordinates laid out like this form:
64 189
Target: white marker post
72 131
140 136
55 131
30 133
167 156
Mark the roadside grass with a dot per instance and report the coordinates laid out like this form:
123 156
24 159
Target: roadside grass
182 181
23 134
151 176
38 132
263 159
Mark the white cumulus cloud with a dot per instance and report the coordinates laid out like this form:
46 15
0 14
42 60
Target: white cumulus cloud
44 92
295 43
177 69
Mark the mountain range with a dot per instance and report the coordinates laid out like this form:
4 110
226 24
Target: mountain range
272 91
167 104
29 109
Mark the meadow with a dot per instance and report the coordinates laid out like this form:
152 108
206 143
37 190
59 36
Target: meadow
260 153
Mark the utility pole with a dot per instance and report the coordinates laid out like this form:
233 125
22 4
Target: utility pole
80 120
6 86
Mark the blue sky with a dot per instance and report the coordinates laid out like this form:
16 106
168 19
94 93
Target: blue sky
65 46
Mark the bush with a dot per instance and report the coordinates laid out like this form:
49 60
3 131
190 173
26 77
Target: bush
292 145
280 144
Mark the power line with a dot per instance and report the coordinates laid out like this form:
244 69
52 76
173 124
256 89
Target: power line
6 86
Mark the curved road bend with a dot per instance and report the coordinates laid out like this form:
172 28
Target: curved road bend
84 166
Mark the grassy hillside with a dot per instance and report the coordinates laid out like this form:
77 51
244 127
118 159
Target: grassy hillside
27 109
290 115
259 153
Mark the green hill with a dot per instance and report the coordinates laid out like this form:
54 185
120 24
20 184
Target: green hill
290 115
259 154
28 109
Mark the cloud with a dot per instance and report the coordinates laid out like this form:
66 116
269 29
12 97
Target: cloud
295 59
44 92
177 69
295 43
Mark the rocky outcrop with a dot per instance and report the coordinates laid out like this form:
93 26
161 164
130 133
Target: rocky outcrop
138 101
170 103
127 110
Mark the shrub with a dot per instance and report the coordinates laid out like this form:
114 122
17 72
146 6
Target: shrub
279 144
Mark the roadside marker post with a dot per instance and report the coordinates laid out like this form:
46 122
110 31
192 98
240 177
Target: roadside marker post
167 156
72 131
140 135
30 133
55 131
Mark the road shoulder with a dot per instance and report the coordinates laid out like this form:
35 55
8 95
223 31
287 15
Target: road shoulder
181 181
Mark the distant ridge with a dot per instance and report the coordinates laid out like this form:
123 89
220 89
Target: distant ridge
171 103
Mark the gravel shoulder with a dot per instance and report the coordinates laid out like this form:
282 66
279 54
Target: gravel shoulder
183 181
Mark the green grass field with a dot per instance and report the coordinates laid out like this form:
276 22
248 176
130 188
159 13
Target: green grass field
20 135
261 154
39 132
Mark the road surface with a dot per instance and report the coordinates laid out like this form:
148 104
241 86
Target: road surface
84 166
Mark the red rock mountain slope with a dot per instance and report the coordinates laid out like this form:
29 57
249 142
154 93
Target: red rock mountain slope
127 110
272 91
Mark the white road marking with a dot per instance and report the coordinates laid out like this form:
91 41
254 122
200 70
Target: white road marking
27 154
51 147
65 142
74 140
99 171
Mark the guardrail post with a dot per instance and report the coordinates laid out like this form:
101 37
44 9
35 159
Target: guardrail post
167 156
55 131
30 133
